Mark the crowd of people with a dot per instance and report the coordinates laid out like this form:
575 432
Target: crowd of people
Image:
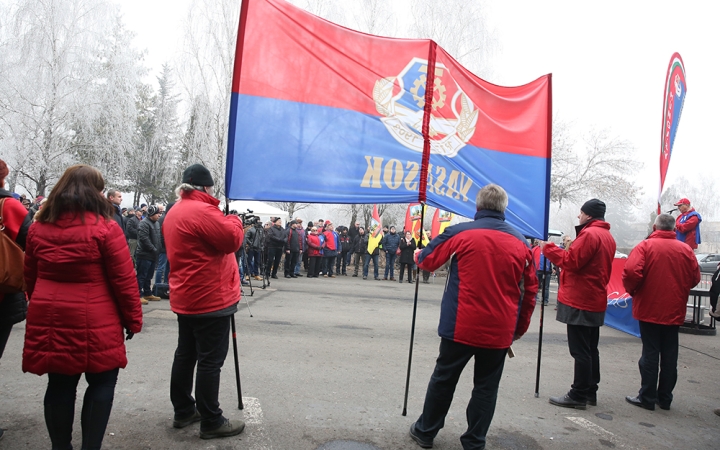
321 249
78 318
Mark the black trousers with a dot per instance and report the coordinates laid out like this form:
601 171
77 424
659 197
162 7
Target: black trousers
60 408
660 346
583 343
314 263
203 341
273 261
409 271
291 260
449 365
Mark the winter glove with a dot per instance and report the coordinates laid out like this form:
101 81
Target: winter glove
128 334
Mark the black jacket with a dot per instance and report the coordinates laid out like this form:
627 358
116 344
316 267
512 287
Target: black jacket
276 237
148 245
407 251
293 242
131 227
254 238
118 217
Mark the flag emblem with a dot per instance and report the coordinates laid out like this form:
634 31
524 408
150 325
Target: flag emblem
401 102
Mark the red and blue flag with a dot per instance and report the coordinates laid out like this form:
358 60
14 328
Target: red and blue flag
674 99
321 113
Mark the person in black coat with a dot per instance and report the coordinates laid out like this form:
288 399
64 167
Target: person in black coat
276 237
714 292
407 250
147 251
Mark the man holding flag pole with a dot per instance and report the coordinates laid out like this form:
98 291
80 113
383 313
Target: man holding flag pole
480 316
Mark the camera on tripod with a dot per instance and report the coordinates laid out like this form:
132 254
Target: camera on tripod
248 219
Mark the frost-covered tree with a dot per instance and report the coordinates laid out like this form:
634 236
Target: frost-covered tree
66 88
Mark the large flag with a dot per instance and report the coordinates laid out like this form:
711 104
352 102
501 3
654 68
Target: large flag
375 231
413 223
674 95
321 113
441 220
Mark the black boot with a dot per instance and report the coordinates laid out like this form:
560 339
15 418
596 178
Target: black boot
94 420
59 421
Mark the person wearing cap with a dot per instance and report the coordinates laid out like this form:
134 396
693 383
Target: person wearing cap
293 247
330 252
131 229
275 240
582 298
146 254
659 274
205 283
687 224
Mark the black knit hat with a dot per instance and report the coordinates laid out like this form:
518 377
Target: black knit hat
594 208
198 175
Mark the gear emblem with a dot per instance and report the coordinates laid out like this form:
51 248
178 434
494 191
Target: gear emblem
439 95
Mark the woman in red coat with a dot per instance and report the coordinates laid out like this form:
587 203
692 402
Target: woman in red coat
82 292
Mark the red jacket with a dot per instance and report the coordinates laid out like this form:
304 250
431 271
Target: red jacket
686 225
83 292
659 274
201 243
585 267
489 296
313 245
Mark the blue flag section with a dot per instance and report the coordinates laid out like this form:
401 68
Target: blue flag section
323 114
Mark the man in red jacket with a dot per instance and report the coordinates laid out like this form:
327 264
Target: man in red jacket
480 316
659 274
582 298
687 225
205 283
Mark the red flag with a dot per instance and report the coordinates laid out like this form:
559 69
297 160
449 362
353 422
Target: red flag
412 220
440 221
675 89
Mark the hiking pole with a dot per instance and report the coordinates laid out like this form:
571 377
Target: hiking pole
414 315
237 363
542 319
246 264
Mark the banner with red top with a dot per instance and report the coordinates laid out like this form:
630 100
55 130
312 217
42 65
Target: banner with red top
321 113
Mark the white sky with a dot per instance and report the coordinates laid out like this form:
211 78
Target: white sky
608 59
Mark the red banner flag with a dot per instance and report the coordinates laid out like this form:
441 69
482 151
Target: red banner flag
440 221
675 89
412 220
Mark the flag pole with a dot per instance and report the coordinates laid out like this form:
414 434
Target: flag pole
414 315
422 194
540 338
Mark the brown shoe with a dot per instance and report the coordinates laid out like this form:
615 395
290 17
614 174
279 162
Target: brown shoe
257 277
332 276
143 301
152 298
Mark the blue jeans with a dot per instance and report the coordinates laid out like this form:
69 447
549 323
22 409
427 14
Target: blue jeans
162 272
543 277
253 262
297 266
145 270
450 363
203 341
390 264
366 264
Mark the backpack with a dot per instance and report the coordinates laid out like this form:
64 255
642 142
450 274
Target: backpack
12 259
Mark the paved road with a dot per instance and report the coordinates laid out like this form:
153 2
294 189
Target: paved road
325 360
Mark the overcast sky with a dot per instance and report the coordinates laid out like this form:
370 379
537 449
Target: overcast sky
608 59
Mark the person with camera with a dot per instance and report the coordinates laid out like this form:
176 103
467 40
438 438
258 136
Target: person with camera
253 246
480 316
205 285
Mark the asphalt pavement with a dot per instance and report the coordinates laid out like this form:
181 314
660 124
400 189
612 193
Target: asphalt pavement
323 366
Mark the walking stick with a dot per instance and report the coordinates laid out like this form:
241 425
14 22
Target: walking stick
412 328
237 363
542 319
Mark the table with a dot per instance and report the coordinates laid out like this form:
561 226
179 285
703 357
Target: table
695 326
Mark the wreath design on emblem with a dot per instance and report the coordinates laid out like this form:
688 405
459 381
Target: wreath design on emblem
402 113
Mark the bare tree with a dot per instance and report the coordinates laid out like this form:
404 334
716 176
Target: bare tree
290 207
459 27
601 167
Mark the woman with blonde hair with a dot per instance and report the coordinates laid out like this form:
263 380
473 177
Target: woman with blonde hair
83 293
